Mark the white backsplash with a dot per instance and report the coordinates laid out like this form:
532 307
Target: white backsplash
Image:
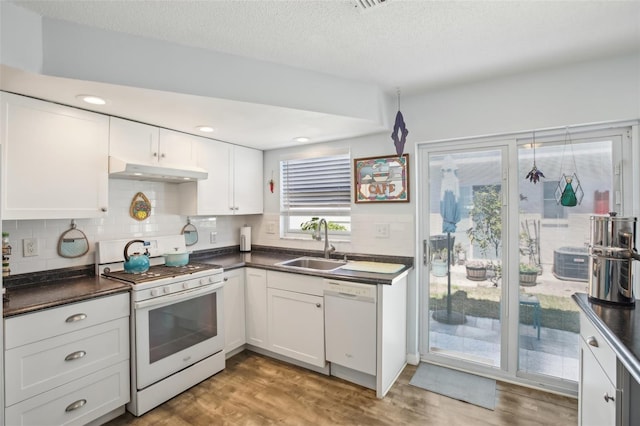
165 220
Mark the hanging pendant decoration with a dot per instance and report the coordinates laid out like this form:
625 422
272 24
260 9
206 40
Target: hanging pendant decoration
535 174
400 132
569 192
271 183
140 208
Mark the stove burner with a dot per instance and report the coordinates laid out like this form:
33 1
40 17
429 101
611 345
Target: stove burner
159 271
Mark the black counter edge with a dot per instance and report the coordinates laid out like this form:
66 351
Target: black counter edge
631 363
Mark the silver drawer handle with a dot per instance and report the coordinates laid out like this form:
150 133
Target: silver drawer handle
608 398
75 355
76 317
75 405
592 341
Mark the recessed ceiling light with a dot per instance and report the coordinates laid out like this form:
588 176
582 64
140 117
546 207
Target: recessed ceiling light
90 99
206 129
301 139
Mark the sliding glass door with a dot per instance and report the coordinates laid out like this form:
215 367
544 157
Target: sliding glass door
463 252
501 254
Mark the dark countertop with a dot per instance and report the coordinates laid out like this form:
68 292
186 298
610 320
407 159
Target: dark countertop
619 326
34 297
269 259
46 289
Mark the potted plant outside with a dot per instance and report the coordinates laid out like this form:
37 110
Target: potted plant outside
312 225
439 263
528 274
476 270
486 232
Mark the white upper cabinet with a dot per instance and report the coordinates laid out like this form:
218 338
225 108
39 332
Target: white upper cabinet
248 181
54 160
234 183
140 143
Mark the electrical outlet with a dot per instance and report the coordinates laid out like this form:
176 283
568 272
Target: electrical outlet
213 237
29 247
382 230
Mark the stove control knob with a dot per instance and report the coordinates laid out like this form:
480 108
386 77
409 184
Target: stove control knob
185 285
166 289
155 292
203 281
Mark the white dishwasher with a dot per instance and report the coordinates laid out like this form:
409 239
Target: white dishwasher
350 326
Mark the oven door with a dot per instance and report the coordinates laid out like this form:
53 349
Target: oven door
175 331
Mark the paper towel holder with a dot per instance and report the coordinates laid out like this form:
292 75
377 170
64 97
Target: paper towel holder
245 238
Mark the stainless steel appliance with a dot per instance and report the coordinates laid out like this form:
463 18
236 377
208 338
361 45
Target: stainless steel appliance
611 254
177 330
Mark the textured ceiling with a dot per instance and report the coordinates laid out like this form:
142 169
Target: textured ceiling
408 44
411 45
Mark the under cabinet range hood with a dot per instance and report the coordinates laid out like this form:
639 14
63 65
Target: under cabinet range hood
123 169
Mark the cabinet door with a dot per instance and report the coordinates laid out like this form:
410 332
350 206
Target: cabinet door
132 141
234 313
596 407
211 196
256 307
54 160
177 150
296 326
248 181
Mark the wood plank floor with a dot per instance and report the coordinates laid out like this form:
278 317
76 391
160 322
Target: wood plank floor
257 390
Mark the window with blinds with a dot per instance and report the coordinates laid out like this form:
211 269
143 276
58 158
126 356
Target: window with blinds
316 187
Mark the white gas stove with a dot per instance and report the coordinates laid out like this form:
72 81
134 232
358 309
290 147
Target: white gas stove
177 329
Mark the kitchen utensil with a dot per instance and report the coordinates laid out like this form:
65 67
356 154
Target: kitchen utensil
176 258
73 243
611 253
190 233
136 263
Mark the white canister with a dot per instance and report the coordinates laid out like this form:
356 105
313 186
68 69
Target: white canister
245 238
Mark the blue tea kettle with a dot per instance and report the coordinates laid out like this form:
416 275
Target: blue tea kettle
136 263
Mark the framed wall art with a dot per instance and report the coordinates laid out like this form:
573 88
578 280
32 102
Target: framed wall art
381 179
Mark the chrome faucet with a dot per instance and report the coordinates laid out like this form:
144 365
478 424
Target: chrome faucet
328 248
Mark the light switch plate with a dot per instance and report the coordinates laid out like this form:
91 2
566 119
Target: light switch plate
271 228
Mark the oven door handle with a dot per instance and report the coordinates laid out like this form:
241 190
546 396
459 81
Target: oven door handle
177 297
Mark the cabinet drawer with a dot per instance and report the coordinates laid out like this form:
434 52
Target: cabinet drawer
41 366
94 395
599 348
295 282
28 328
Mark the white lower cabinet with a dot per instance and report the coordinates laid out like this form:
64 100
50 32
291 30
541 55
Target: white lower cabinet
234 312
599 395
75 403
295 309
67 365
256 307
296 326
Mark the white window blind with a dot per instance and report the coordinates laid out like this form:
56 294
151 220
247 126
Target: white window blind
319 186
314 184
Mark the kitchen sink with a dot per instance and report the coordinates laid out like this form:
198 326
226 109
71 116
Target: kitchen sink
313 263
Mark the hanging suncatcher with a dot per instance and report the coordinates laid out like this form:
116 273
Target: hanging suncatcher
400 131
534 175
569 191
